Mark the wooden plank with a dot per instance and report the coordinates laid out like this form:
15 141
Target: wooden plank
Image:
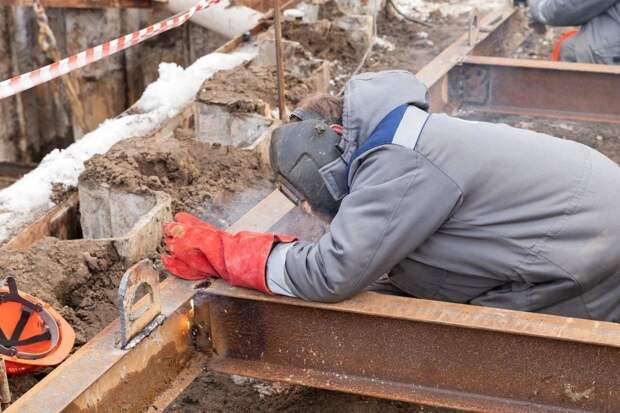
56 222
10 131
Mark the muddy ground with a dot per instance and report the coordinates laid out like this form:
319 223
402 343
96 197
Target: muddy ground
217 183
78 278
239 88
218 393
402 45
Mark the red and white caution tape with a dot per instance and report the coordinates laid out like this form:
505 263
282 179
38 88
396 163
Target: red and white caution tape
44 74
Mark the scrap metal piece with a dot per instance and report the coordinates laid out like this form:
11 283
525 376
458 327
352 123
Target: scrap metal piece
135 317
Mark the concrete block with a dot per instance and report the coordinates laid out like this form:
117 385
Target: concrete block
133 223
221 124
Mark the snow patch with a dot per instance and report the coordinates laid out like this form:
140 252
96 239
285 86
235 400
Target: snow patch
163 99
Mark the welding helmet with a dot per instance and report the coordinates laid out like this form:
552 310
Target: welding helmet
300 152
32 334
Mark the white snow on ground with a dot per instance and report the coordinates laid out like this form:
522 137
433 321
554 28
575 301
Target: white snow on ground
421 9
29 197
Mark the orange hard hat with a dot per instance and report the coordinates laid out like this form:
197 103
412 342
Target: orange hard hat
32 334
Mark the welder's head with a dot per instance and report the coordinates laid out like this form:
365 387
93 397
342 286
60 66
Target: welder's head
302 151
319 106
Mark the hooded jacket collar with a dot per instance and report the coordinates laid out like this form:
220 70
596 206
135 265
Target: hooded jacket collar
368 98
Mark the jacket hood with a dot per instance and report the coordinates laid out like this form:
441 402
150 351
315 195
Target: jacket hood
368 98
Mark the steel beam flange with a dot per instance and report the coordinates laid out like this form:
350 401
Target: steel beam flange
433 353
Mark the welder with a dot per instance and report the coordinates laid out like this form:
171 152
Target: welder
597 41
426 205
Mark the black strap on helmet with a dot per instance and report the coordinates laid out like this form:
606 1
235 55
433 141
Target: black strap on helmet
8 345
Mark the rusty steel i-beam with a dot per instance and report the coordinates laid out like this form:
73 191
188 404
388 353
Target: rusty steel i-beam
434 353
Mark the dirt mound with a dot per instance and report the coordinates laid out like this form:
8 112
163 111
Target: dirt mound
323 39
193 173
240 87
77 277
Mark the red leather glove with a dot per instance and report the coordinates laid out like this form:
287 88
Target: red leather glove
198 250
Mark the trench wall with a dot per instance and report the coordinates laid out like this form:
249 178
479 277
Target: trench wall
41 119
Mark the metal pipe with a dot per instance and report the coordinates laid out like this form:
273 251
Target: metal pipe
279 60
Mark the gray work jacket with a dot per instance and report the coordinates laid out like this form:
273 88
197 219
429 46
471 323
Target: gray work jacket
599 38
467 212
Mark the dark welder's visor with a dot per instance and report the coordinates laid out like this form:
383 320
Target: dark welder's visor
298 152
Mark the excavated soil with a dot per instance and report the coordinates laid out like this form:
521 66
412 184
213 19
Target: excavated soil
78 278
217 183
323 39
239 88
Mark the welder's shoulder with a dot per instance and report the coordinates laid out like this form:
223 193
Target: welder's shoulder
396 165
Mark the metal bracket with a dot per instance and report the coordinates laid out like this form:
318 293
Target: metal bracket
139 319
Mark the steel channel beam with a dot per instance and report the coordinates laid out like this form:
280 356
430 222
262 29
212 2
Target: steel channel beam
435 74
562 90
434 353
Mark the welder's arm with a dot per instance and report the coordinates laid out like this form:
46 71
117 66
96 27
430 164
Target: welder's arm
568 12
396 202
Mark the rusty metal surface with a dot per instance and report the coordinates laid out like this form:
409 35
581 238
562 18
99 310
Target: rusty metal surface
100 377
398 348
537 88
434 74
503 37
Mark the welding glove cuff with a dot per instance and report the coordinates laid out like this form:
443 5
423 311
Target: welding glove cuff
198 250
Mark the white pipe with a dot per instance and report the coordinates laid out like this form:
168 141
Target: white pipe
223 18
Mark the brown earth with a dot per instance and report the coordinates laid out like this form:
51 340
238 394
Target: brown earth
414 45
239 88
201 178
538 44
79 278
326 41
